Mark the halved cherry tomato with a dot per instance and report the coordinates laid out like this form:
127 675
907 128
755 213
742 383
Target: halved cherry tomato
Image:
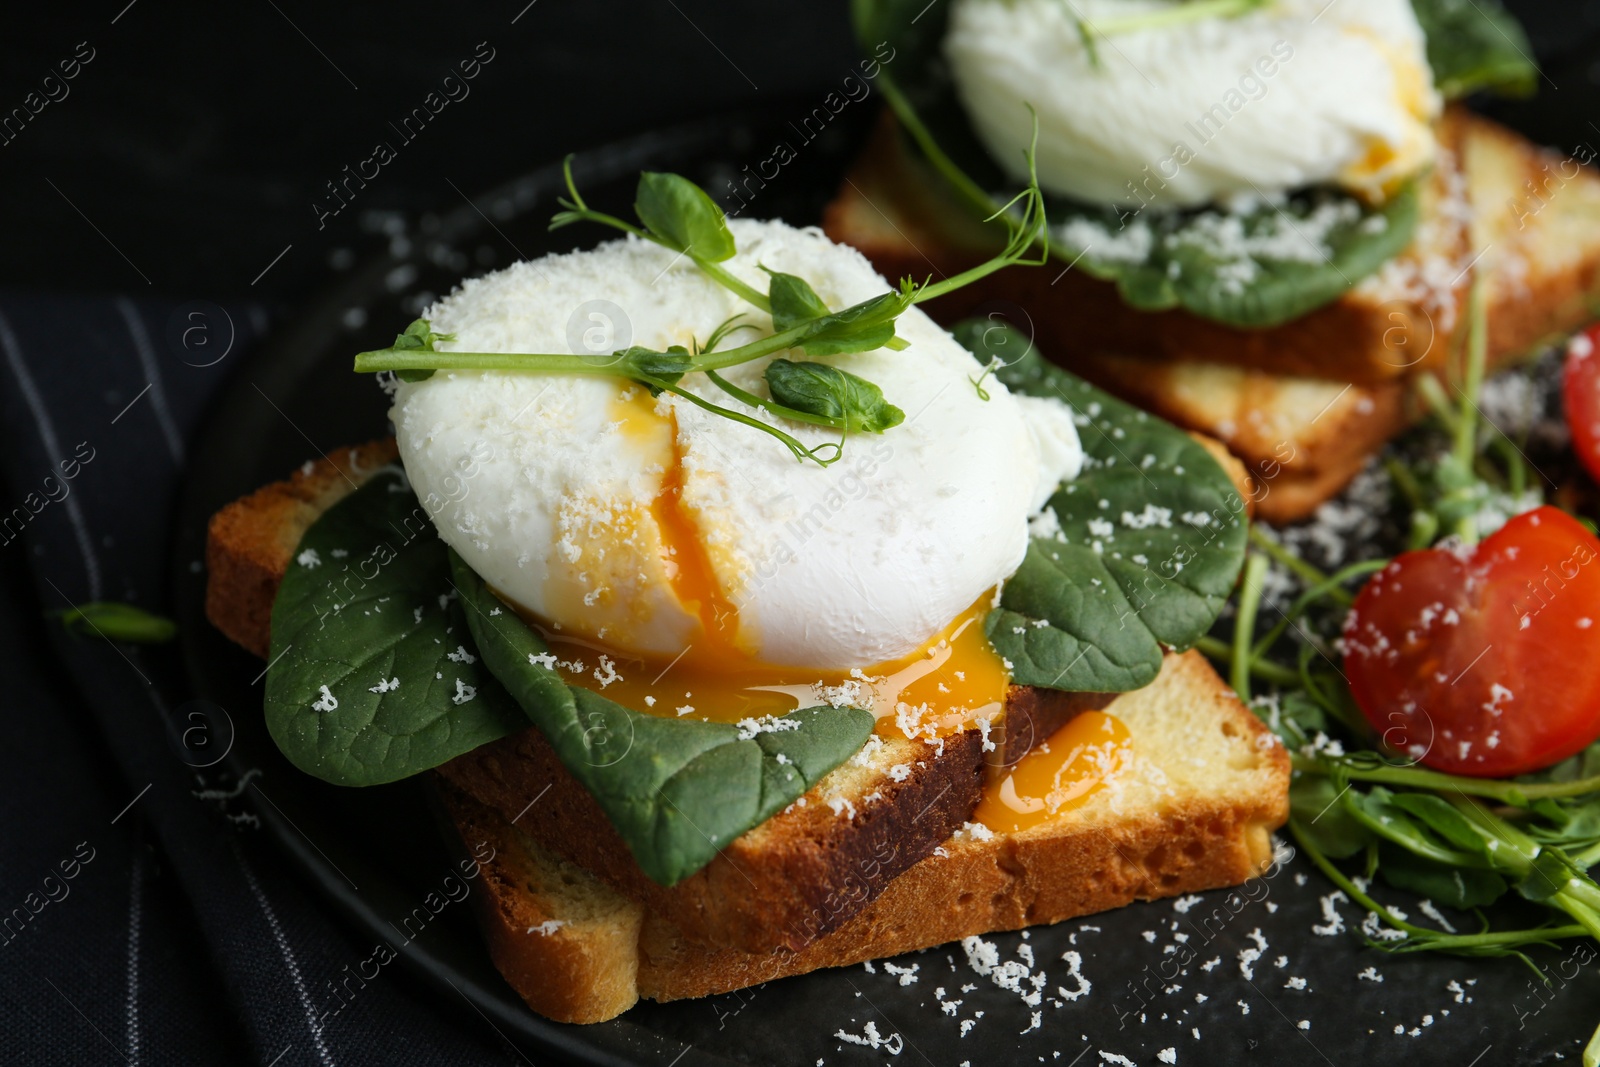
1485 660
1580 388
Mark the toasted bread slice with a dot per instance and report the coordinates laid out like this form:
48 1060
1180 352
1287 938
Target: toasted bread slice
789 881
1304 422
803 872
1536 224
1196 812
249 543
1302 439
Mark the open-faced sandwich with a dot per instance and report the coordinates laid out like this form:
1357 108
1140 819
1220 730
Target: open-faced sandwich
755 622
1264 216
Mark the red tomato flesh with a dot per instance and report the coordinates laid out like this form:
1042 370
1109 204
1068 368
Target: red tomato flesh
1580 388
1484 661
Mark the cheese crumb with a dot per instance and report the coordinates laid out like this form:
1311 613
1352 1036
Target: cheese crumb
893 1044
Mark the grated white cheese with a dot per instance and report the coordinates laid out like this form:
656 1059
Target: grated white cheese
893 1044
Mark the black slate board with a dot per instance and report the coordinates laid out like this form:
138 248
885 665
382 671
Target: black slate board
375 852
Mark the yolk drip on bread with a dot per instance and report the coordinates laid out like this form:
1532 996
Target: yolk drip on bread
954 682
1077 762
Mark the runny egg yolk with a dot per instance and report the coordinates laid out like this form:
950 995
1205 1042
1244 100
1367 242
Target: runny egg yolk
1076 762
955 681
1386 166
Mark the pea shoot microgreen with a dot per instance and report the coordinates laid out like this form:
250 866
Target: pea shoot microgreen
116 621
676 214
1464 842
1169 17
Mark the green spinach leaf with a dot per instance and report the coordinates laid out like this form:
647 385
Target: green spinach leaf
818 389
1476 44
390 656
683 216
677 791
373 675
1152 539
1259 267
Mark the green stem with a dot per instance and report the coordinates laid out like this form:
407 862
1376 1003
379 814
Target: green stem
1587 858
777 409
1342 713
1517 794
738 286
1438 402
579 211
1339 879
1219 650
383 359
801 452
1193 11
1311 596
1466 430
1309 574
884 307
1450 857
971 191
1244 623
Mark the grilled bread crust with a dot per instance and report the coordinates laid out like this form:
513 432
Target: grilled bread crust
1211 785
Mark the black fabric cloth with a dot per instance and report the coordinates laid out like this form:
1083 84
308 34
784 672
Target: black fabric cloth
143 918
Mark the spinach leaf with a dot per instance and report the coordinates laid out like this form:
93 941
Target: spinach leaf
1259 267
373 677
1307 252
1476 44
818 389
1152 539
400 659
677 791
683 216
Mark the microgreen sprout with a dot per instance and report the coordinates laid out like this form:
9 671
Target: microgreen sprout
1461 841
678 215
1167 18
116 621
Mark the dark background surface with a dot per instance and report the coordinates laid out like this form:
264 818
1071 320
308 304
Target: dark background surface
183 164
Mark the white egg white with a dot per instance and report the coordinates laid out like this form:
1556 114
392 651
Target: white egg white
1296 93
549 482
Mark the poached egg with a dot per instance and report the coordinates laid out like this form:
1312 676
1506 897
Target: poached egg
1296 93
686 564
